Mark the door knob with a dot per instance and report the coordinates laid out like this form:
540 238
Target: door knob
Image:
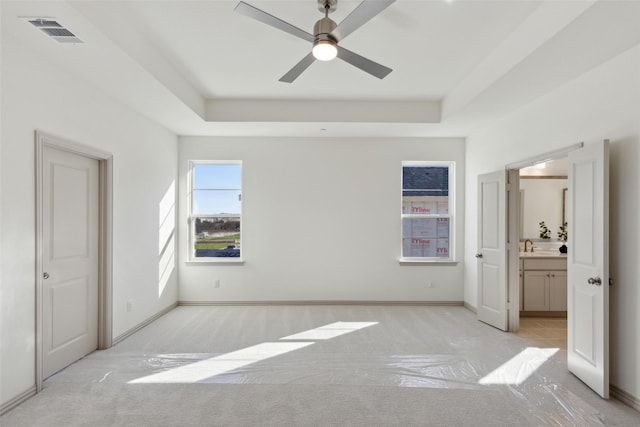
595 281
45 275
478 255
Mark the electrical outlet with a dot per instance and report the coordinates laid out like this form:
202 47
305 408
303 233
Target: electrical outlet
217 283
129 305
430 284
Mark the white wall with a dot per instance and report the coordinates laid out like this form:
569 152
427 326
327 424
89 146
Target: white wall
321 221
38 96
603 103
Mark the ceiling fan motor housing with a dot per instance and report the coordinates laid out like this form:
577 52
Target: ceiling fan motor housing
323 28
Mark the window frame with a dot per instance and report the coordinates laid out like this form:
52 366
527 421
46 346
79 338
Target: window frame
191 217
451 215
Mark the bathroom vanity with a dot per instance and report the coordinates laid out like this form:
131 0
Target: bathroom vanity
543 284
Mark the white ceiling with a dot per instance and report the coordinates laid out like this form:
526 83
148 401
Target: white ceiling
227 55
197 67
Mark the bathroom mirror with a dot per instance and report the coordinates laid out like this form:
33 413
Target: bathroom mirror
542 198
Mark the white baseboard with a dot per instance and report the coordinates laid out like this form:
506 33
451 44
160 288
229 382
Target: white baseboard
322 302
470 307
141 325
6 407
624 397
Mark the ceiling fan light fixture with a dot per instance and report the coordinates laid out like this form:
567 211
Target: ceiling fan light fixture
325 47
324 50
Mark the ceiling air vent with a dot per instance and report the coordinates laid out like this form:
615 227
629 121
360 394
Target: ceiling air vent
54 30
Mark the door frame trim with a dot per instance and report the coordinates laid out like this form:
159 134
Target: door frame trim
105 236
513 249
513 231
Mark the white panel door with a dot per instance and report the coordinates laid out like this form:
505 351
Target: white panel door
492 254
70 258
588 266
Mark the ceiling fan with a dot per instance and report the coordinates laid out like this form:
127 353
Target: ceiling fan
326 35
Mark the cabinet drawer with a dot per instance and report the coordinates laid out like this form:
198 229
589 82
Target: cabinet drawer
545 264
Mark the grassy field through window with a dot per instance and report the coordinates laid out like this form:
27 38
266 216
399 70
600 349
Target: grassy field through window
219 242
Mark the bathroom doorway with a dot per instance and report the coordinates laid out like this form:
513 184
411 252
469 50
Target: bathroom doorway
542 272
587 261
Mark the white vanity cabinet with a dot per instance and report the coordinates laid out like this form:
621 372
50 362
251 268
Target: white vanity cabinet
558 291
544 284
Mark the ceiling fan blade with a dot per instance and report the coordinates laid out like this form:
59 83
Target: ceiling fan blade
366 65
360 16
298 69
259 15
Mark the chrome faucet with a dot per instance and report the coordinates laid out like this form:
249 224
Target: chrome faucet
525 245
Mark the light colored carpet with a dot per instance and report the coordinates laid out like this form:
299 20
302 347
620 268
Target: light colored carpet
416 366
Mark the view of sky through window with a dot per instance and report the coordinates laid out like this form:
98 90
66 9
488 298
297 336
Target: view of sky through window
216 188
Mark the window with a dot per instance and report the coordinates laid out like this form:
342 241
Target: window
427 211
216 210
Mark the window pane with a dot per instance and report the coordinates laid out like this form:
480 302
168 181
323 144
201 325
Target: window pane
217 237
215 202
425 248
430 228
425 237
217 176
428 180
425 190
425 205
216 208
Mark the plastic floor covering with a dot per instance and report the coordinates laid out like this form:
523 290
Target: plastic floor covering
320 365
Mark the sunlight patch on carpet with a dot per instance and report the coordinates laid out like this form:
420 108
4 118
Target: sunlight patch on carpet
520 367
204 369
330 331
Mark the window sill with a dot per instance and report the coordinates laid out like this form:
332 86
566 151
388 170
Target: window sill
427 261
213 261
